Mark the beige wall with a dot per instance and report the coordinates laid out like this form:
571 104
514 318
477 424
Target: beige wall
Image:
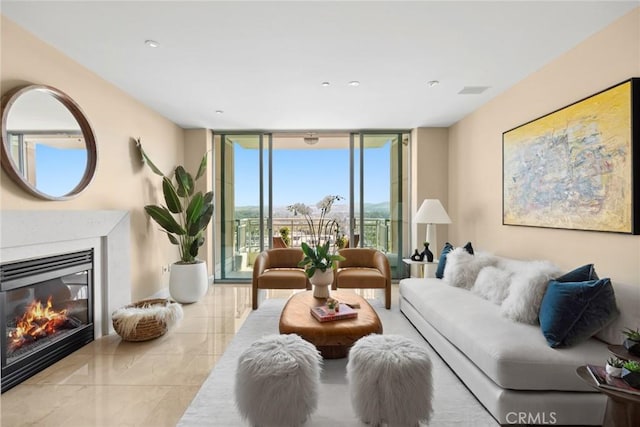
475 157
429 174
120 182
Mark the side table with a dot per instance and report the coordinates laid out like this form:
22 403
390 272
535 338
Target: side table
621 352
428 268
623 409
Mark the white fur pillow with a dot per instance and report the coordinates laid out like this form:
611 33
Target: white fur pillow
492 284
463 268
528 285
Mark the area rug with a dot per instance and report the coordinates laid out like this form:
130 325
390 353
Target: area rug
214 404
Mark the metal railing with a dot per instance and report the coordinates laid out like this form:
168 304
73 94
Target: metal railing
377 233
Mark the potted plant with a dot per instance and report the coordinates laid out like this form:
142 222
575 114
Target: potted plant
333 305
319 258
614 367
632 342
285 234
631 373
184 218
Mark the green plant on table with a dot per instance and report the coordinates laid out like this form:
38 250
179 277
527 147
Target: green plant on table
187 213
285 234
632 366
615 362
319 255
632 334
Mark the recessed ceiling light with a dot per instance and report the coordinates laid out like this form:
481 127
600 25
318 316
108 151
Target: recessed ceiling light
152 43
354 83
433 83
219 111
325 84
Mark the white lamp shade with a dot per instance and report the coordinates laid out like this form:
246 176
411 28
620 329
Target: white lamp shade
431 212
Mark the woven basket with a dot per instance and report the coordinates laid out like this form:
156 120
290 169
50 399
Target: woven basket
147 328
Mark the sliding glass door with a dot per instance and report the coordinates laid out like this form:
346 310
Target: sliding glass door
264 175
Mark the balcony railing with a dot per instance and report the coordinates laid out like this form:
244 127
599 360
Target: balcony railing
377 233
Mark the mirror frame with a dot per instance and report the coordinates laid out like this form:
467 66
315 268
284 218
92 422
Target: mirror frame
9 165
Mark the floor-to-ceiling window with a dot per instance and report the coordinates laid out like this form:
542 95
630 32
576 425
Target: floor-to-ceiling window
262 174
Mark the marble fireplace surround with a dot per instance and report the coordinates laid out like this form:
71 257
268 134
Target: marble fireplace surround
31 234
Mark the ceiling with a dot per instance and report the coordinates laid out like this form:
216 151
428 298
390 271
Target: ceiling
262 63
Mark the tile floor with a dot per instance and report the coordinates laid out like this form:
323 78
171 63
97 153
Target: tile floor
111 382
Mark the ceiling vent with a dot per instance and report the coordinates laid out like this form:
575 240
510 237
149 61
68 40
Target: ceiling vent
473 90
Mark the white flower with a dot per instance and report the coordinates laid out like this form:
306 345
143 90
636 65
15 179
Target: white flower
299 208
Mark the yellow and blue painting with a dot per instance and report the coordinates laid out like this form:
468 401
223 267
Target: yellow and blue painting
573 168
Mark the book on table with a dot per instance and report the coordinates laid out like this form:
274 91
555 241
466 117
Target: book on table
323 314
604 380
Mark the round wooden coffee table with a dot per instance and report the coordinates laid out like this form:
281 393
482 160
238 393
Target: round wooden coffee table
623 409
333 339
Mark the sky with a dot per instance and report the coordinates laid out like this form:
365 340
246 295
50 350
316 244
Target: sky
306 176
58 171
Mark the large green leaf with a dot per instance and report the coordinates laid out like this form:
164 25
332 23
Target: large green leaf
172 238
195 246
163 217
208 198
147 160
201 222
203 167
195 208
171 196
185 182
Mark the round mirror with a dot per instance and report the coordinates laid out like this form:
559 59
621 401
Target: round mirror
48 146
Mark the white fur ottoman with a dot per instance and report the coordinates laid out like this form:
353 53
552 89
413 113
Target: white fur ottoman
277 381
390 381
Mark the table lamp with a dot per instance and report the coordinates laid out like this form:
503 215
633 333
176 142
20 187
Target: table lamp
431 213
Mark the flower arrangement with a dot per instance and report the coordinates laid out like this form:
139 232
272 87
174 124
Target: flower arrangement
318 255
333 304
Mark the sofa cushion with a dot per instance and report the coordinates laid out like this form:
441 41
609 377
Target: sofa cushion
283 278
527 288
463 267
572 312
628 303
580 274
514 355
469 248
357 277
492 284
448 247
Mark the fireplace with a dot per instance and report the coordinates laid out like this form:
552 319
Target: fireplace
47 312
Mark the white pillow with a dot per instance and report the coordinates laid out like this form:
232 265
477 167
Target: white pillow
528 285
463 268
492 284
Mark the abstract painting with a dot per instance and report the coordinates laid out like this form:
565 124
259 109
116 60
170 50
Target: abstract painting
574 168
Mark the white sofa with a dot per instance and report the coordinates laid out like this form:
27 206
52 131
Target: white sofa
508 365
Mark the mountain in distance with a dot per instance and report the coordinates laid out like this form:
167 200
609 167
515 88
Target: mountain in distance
372 210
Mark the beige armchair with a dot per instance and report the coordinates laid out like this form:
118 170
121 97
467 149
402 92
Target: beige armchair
364 268
278 269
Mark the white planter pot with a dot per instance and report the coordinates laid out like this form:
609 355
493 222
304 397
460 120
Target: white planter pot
188 282
321 280
613 371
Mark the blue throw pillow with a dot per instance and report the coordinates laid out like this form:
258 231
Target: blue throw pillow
580 274
468 248
572 312
448 247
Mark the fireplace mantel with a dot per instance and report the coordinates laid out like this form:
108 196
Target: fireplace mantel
29 234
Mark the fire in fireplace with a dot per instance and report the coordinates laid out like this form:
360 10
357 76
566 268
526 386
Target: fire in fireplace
48 314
